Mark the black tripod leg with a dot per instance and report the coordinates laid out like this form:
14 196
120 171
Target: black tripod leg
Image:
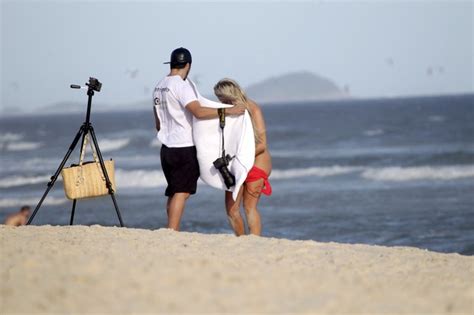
58 171
104 170
73 210
71 221
116 208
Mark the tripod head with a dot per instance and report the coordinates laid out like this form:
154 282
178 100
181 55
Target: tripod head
93 85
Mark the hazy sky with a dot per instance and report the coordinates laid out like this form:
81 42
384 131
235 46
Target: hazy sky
377 48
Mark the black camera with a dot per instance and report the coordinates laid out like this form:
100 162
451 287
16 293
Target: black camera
221 165
94 84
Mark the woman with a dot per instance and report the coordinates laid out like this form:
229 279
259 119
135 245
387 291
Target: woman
229 92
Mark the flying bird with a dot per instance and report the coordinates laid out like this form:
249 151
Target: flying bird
132 72
146 90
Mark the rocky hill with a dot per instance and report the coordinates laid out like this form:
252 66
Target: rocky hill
295 87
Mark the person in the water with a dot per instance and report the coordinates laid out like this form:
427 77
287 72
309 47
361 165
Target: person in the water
19 218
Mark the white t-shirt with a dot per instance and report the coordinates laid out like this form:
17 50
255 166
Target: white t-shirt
171 96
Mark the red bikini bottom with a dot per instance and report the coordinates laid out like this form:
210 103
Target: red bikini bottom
257 173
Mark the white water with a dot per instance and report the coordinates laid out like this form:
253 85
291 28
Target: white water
419 173
22 146
108 145
141 178
12 142
18 202
15 181
312 171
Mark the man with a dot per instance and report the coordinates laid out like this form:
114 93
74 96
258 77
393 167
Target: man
19 218
175 104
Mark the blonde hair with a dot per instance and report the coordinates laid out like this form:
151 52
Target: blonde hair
229 91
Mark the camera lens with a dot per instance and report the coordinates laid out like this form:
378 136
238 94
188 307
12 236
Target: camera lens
229 179
221 165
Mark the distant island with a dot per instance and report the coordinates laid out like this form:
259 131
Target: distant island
295 87
291 87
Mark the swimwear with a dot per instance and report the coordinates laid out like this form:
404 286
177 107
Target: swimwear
181 169
257 173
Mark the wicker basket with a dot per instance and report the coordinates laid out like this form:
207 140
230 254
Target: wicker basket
87 180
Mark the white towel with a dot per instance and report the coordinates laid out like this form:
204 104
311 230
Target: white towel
238 139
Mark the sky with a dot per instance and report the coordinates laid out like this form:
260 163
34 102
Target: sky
376 48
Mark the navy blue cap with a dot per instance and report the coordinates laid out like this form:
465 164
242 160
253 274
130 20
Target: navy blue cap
180 56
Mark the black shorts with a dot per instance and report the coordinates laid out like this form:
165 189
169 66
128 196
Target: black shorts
181 169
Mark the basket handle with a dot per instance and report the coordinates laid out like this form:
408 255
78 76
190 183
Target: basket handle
94 154
83 151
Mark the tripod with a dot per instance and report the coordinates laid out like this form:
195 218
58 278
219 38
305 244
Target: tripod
86 128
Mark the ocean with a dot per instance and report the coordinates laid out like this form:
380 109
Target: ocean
393 172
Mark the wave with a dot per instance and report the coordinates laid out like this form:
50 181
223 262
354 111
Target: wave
32 165
123 178
399 174
374 151
373 132
11 142
436 118
22 146
313 171
17 202
139 178
155 143
16 181
9 136
153 179
107 145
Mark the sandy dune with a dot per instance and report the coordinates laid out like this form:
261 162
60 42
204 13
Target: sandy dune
98 269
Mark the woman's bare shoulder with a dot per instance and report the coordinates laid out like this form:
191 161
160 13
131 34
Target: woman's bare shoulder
254 107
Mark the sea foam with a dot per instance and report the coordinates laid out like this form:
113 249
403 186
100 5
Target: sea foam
22 146
9 136
139 178
313 171
16 181
419 173
373 132
12 142
107 145
17 202
155 143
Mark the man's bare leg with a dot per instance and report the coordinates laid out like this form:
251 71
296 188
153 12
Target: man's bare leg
175 209
233 213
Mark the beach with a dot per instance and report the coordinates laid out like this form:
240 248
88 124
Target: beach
96 269
400 172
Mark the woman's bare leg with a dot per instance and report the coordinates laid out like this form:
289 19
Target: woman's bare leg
233 212
251 196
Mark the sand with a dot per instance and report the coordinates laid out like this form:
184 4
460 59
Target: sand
50 269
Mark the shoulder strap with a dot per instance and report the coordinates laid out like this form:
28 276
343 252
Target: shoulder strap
221 112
